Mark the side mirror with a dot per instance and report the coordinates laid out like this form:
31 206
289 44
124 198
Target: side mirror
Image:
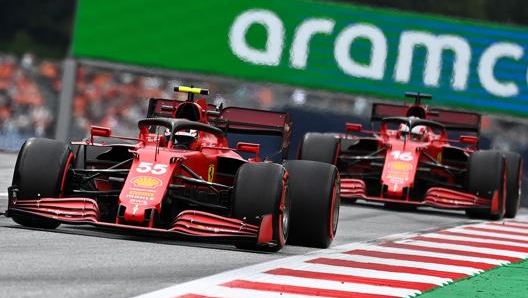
353 127
248 147
471 140
99 131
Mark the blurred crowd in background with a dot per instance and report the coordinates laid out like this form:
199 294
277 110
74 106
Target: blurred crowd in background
116 98
28 96
30 84
30 91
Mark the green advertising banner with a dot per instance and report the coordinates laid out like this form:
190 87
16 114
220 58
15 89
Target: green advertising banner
327 46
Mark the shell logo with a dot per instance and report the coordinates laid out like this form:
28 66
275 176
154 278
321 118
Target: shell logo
400 166
145 181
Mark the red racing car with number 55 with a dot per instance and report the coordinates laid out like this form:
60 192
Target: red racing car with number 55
180 178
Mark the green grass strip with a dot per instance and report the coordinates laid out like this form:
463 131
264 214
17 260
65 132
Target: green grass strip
505 281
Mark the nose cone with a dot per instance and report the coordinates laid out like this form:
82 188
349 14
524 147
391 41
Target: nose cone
134 214
396 190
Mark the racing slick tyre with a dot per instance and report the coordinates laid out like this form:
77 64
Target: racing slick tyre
41 171
314 190
486 175
514 176
259 189
319 147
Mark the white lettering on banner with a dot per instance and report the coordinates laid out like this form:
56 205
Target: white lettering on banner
303 34
375 68
274 42
409 40
487 63
378 54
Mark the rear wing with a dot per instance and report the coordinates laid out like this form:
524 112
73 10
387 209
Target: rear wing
252 121
229 120
457 120
232 119
161 107
452 120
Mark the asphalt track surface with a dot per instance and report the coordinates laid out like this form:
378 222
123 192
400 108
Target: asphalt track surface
82 261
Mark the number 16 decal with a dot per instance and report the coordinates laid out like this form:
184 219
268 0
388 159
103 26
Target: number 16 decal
398 155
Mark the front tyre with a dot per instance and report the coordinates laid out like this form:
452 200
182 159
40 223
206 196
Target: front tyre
41 171
514 176
487 173
314 191
259 189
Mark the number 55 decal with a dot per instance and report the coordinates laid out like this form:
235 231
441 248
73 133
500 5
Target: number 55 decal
155 169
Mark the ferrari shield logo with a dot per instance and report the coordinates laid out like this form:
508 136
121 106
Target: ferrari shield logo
210 173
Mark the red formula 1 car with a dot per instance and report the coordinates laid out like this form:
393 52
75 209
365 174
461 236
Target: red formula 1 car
180 178
415 156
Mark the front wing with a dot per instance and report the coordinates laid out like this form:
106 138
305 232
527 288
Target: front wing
437 197
188 225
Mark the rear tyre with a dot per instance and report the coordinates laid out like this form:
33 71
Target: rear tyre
485 177
41 171
319 147
514 176
259 189
314 191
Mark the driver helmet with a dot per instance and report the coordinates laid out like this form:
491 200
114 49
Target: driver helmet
418 133
403 130
185 138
